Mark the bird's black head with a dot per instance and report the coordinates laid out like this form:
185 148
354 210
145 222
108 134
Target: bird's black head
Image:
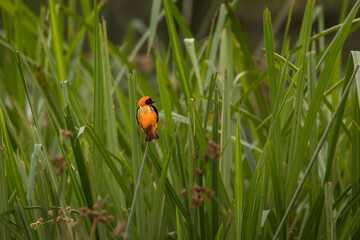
149 101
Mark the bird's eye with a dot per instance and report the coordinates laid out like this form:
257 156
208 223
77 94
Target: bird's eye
149 101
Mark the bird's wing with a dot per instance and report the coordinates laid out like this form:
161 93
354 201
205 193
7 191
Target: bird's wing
137 111
157 114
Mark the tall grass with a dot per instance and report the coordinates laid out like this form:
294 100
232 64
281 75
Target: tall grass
243 153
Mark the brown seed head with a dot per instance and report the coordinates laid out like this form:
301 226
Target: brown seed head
72 223
119 230
197 172
209 193
111 218
206 157
66 133
61 163
33 226
59 219
84 212
214 149
96 206
184 192
198 189
67 219
68 209
229 211
104 213
57 159
197 200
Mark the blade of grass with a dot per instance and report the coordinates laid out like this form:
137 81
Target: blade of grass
32 172
178 225
304 41
71 23
165 100
345 211
11 229
214 44
311 227
215 164
79 158
252 206
57 41
314 178
208 104
4 233
240 36
352 226
278 186
155 11
121 99
356 59
286 39
355 165
227 76
178 57
238 181
86 26
135 150
180 20
12 170
270 59
345 26
331 30
329 211
275 96
219 232
98 110
111 135
190 48
75 103
24 223
137 189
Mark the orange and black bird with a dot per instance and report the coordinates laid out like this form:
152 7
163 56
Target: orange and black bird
147 116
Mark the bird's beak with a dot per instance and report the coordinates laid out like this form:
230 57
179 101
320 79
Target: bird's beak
152 101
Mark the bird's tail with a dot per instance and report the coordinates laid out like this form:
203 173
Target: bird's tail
149 138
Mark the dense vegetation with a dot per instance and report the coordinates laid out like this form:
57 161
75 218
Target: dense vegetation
246 151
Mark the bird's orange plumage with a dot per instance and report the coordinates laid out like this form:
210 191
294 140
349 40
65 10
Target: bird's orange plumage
147 117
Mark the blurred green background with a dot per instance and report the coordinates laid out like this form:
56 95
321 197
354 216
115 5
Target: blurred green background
131 18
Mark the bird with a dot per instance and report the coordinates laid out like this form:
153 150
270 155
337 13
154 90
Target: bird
147 117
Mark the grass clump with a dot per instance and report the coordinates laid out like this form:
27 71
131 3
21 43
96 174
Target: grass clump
246 151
